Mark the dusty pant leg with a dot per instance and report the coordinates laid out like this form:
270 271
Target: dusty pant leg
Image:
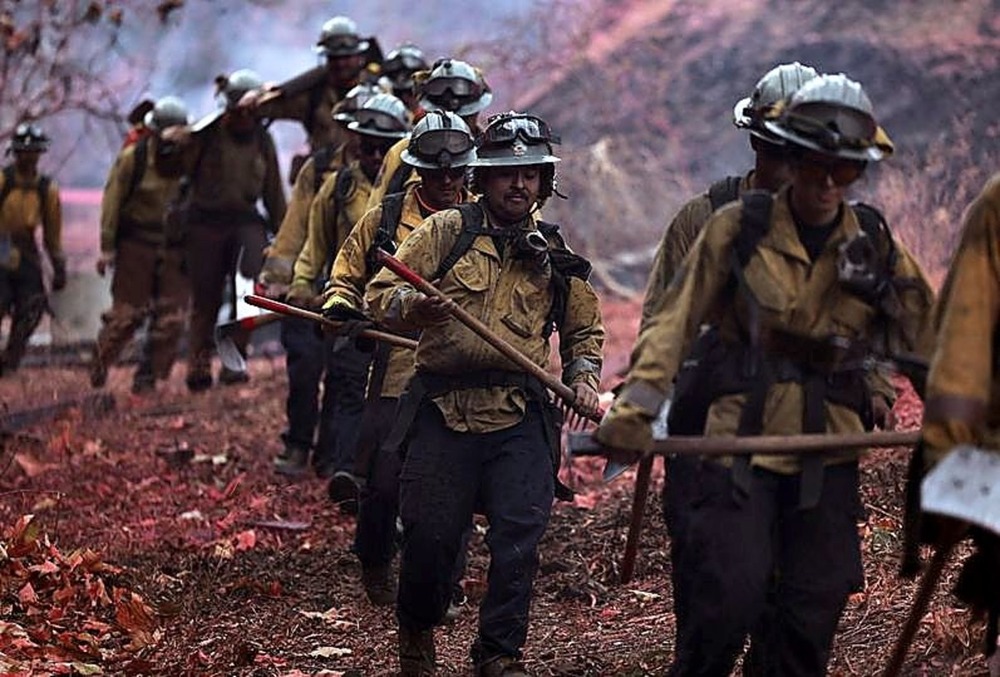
820 563
725 559
375 535
252 241
29 302
517 493
6 297
343 405
438 486
211 252
131 295
171 298
304 367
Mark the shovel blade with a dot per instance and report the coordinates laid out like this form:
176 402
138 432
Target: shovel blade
966 486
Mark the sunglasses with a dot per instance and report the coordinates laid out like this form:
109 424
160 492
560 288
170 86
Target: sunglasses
816 168
507 128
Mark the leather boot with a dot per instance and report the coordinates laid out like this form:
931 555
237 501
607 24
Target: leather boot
417 656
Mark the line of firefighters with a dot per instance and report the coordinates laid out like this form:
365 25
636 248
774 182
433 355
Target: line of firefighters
769 297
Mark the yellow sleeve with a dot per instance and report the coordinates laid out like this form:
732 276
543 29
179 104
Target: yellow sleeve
349 274
291 237
111 199
52 223
581 337
309 264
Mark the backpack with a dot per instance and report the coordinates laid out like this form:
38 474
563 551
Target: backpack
700 380
44 183
385 236
138 168
724 191
565 264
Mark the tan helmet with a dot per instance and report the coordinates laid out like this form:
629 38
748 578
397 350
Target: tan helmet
167 112
439 141
454 85
776 86
831 114
383 115
339 37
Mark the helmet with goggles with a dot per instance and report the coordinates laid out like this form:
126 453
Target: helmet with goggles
167 112
339 37
382 115
401 63
440 140
29 138
346 109
513 139
455 86
776 86
831 114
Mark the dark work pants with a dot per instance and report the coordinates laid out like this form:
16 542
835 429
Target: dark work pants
22 296
375 537
743 562
445 477
305 359
343 404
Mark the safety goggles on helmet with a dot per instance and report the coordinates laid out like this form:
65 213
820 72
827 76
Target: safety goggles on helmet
505 129
849 132
377 123
455 87
29 137
816 167
432 143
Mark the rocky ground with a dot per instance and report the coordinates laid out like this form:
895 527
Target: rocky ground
155 539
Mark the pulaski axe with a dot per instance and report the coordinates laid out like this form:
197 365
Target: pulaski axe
583 444
230 335
965 486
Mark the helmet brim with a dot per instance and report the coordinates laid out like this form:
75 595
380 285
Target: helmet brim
466 159
740 117
525 161
866 154
356 127
362 47
470 108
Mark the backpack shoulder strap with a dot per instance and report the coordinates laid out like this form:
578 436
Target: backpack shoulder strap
322 159
141 153
724 191
755 220
874 225
385 236
472 227
397 182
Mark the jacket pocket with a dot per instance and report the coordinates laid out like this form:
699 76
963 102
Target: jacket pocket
530 302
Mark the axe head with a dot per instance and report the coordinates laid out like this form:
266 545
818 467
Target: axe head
225 344
966 486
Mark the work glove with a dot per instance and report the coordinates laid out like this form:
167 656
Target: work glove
341 309
353 322
627 432
105 262
301 294
58 274
426 311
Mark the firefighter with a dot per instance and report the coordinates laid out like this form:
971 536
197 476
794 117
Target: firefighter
28 199
483 437
399 67
450 85
797 316
303 345
440 149
150 276
338 205
230 165
963 391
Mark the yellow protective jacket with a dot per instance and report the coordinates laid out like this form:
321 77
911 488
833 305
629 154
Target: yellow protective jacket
512 297
674 246
138 212
331 218
22 212
963 387
351 275
795 297
314 109
392 161
291 237
230 174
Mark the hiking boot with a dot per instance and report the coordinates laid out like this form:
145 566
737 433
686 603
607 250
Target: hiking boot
98 372
379 585
229 377
456 605
501 666
292 462
199 381
343 490
416 652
